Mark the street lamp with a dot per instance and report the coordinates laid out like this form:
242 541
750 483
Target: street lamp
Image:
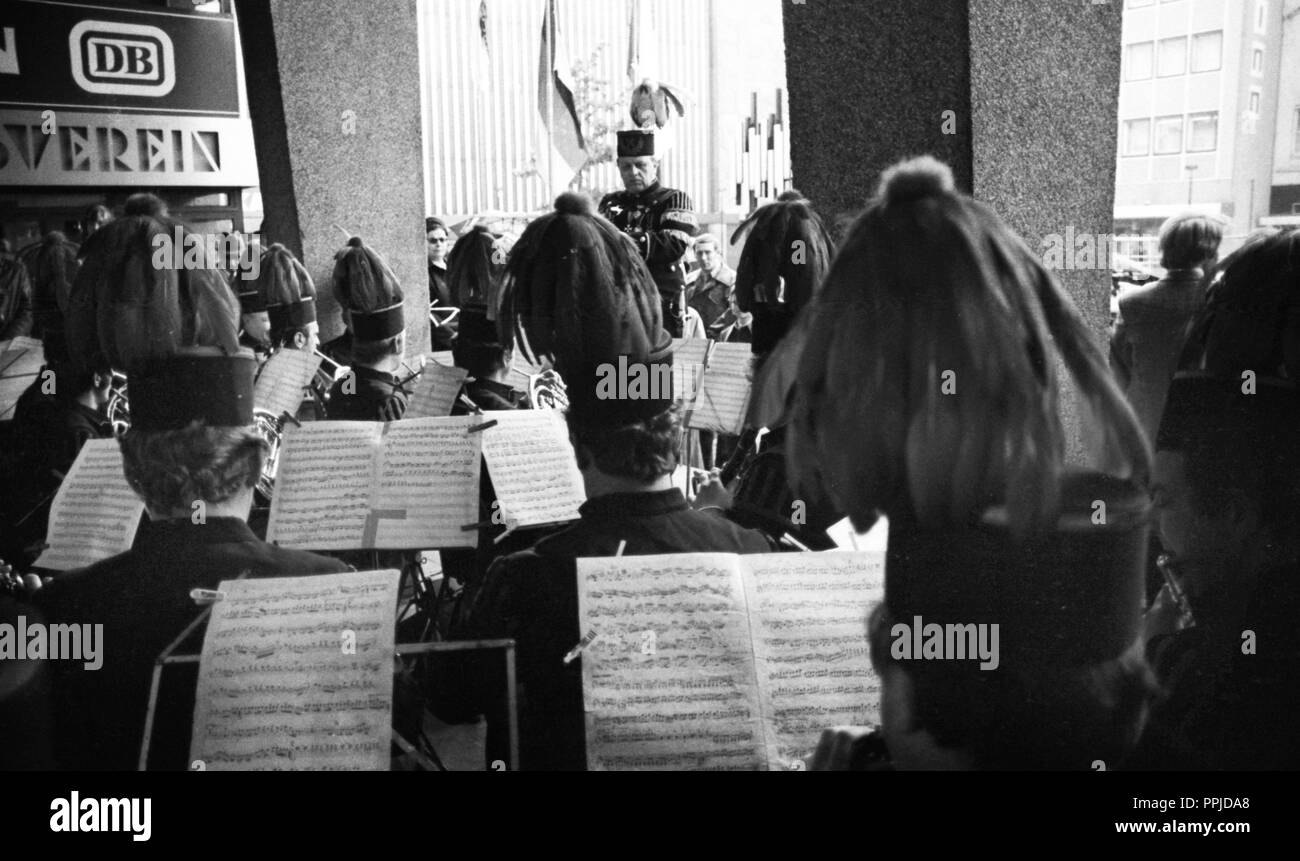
1191 173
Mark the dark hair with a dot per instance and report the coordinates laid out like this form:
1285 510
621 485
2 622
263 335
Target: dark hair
363 280
432 223
643 450
1051 718
173 469
1189 240
475 269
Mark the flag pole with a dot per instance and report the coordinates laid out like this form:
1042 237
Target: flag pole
550 100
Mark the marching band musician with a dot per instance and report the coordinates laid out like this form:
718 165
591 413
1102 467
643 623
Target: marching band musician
660 221
476 266
372 300
567 262
286 291
191 455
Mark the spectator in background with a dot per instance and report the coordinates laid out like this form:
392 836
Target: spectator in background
441 333
15 298
709 295
1153 317
95 217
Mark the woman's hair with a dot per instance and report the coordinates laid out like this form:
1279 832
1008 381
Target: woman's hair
171 470
1188 241
1051 718
432 223
641 450
931 347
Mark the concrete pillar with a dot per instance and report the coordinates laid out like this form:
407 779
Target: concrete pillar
334 92
1034 89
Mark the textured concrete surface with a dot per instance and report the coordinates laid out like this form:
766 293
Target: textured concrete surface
869 81
322 168
1034 87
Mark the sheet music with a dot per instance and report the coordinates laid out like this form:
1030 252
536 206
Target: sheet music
669 682
533 467
688 362
296 674
322 485
21 360
95 513
807 612
435 391
280 384
426 486
442 357
365 485
724 394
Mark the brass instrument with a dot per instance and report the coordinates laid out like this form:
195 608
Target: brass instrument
271 429
118 409
329 373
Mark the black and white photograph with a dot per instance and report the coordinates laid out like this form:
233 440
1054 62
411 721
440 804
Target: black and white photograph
650 386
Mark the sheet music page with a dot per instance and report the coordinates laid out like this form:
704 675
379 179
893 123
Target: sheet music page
435 391
723 396
279 387
669 681
21 360
533 467
322 485
807 613
95 513
296 674
688 362
426 486
442 357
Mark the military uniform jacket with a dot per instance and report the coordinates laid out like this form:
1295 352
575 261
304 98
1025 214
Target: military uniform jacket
532 597
662 222
710 294
374 396
142 598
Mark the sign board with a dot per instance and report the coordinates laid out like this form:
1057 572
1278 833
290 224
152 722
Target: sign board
122 95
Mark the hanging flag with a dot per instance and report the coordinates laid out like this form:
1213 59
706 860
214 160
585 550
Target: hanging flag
483 56
555 100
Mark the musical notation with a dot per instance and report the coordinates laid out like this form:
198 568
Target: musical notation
366 485
95 513
724 390
533 467
435 391
296 673
21 360
283 379
708 661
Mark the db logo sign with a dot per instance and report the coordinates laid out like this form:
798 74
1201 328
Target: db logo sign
122 59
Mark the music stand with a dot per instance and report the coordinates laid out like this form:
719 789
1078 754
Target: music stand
166 658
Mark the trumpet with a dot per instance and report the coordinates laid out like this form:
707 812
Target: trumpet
329 373
118 409
271 429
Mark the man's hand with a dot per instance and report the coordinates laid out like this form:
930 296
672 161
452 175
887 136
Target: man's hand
713 494
836 750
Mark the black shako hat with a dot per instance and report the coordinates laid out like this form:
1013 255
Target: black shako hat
1067 596
577 292
636 143
171 393
367 287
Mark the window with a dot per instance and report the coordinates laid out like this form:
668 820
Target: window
1207 51
1138 61
1261 16
1169 135
1253 101
1137 137
1172 58
1203 132
1257 62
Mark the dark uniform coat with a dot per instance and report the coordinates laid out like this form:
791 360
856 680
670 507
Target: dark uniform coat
532 596
142 598
375 396
662 223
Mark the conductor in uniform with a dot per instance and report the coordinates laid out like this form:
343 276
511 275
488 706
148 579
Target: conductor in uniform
660 221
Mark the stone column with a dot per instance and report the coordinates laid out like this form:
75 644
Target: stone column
334 92
1033 88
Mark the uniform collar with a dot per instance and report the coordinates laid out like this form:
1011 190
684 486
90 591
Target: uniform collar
216 530
634 504
364 373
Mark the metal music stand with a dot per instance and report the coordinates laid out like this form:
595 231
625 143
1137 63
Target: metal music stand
166 658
